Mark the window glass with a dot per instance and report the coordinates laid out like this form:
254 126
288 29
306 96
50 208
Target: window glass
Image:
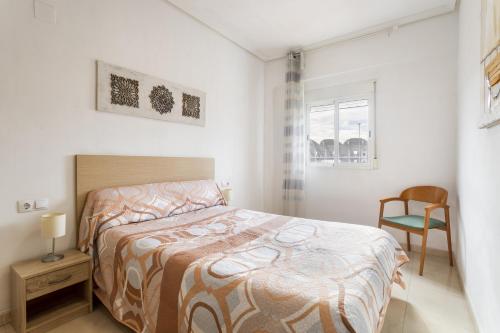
341 126
322 134
353 131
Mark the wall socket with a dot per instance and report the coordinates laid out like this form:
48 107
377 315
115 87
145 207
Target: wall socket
24 206
225 183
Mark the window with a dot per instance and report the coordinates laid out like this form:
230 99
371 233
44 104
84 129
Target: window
341 129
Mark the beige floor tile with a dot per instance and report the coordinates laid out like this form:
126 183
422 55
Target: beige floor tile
433 303
394 319
98 321
396 310
436 302
439 274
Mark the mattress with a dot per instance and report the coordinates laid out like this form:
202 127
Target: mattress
225 269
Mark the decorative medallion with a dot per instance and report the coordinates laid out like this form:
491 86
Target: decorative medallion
124 91
190 106
161 99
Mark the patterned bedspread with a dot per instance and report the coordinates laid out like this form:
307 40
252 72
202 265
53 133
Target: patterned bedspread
223 269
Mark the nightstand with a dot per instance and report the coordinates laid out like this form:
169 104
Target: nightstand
45 295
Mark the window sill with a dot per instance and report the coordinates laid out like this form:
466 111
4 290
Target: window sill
373 165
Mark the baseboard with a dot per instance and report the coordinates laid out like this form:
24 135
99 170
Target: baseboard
469 305
429 251
5 317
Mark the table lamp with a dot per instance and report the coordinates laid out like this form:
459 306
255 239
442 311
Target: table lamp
53 226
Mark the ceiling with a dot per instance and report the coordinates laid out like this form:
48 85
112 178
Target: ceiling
269 28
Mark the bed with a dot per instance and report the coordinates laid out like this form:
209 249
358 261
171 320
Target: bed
170 256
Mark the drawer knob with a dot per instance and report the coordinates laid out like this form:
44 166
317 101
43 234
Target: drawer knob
65 278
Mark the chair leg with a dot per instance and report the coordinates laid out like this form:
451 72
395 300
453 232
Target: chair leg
408 242
448 238
380 224
422 255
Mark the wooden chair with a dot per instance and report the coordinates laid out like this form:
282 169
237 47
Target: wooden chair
418 224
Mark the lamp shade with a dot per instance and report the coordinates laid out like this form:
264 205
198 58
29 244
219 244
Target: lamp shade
53 225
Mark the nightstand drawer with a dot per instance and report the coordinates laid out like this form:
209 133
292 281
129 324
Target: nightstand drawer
46 283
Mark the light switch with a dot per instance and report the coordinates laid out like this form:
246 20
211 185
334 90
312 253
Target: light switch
42 204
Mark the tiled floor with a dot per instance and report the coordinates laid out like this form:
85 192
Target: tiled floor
432 303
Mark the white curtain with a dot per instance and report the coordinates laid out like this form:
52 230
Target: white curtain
294 149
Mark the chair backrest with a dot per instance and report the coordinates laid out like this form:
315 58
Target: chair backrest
430 194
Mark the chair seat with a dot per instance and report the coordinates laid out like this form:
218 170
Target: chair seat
414 221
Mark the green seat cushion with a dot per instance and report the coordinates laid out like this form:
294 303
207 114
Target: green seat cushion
414 221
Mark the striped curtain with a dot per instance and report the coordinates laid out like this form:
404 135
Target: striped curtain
294 149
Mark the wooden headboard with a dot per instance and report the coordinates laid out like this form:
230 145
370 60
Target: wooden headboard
100 171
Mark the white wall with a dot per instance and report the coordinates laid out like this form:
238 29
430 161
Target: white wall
478 181
415 69
47 105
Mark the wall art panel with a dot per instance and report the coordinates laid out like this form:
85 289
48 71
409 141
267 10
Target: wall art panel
120 90
490 63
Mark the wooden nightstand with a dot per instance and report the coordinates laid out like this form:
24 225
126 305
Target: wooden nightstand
45 295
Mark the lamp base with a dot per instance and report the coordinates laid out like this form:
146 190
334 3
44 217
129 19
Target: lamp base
51 257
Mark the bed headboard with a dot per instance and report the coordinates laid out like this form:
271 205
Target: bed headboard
100 171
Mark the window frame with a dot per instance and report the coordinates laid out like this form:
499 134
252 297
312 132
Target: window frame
372 157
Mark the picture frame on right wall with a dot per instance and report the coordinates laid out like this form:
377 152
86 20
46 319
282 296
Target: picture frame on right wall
490 63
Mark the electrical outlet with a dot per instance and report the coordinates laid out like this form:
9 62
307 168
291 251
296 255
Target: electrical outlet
24 206
225 183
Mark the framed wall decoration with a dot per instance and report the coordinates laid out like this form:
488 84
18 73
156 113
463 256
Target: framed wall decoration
490 63
120 90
